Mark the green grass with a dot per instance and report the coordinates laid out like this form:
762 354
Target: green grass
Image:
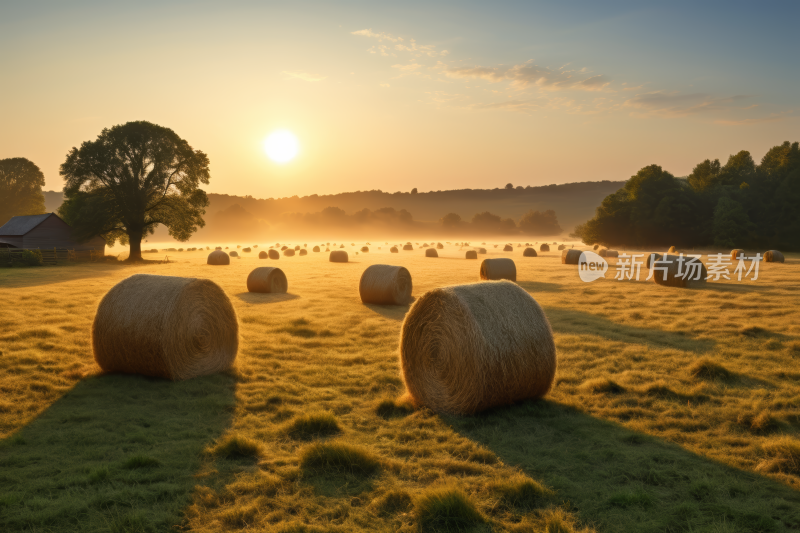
312 425
235 446
446 509
338 458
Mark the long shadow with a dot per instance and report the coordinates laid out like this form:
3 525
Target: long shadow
619 480
116 453
580 323
46 275
394 312
265 298
539 286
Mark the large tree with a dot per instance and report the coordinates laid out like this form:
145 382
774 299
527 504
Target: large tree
134 177
21 184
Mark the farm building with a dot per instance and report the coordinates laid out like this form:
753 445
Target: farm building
46 231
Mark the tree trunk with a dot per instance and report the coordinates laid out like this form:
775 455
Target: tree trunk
135 240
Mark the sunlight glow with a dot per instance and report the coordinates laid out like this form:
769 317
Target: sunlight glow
281 146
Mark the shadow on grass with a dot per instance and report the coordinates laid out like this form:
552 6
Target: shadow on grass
575 322
619 480
540 286
266 298
46 275
116 453
394 312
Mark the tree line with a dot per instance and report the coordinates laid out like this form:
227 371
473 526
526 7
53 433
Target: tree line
739 204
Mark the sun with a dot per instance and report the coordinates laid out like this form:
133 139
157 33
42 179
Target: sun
281 146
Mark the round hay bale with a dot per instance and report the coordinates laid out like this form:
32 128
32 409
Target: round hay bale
394 250
508 248
431 252
341 246
595 247
315 249
424 245
481 250
267 279
284 247
544 248
529 252
386 285
364 249
773 256
246 249
439 246
408 247
165 326
500 268
296 247
273 254
218 248
303 251
467 348
234 253
604 252
562 246
671 250
735 253
262 254
218 257
652 258
472 254
570 257
338 256
670 262
289 252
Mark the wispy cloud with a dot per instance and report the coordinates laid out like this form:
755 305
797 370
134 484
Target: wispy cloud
305 76
381 36
527 75
407 68
410 46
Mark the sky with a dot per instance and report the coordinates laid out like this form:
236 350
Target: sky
391 96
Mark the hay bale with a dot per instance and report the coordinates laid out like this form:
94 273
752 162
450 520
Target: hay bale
408 247
544 248
570 257
439 246
218 257
218 248
246 249
341 246
338 256
773 256
262 254
431 252
315 249
467 348
385 284
296 248
735 253
267 279
651 259
472 254
289 252
529 252
394 250
605 252
562 246
425 245
500 268
303 251
284 247
508 248
164 326
481 250
273 254
234 253
364 249
670 262
671 250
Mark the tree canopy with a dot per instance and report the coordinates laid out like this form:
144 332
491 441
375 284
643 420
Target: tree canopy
130 179
540 223
21 184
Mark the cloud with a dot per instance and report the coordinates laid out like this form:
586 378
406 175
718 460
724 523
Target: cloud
418 50
526 75
304 76
510 105
673 104
379 35
407 68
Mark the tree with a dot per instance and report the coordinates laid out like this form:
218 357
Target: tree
731 224
414 190
509 186
21 184
538 223
134 177
450 220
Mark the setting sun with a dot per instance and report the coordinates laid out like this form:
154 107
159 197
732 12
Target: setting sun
281 146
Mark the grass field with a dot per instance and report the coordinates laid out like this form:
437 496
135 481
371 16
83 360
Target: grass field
674 410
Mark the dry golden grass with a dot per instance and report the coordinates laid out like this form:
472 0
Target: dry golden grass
673 409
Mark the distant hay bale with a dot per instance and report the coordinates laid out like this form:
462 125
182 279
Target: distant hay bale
468 348
604 252
735 253
671 250
408 247
425 245
246 249
296 247
482 250
529 252
315 249
234 253
562 246
544 248
508 248
668 266
289 252
218 248
284 247
386 285
338 256
303 251
652 258
365 249
341 246
500 268
273 254
439 246
472 254
773 256
570 257
262 254
431 252
267 279
164 326
394 250
218 257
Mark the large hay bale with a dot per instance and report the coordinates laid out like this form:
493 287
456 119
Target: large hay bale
267 279
651 259
508 248
385 284
439 246
605 252
364 249
218 257
431 252
303 251
670 263
773 256
735 253
234 253
315 249
500 268
529 252
472 254
262 254
394 250
570 257
338 256
165 326
544 248
408 247
273 254
289 252
467 348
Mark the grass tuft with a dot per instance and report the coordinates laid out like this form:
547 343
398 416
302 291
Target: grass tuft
707 369
753 331
389 408
235 446
520 491
630 498
446 509
393 502
338 458
239 517
783 456
602 385
762 422
141 461
312 425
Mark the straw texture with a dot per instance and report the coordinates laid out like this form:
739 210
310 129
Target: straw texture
385 284
267 279
735 253
500 268
338 256
570 257
773 256
218 257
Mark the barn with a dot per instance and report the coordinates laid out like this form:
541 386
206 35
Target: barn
44 232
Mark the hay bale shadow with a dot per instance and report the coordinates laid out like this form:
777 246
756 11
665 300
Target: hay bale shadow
540 286
265 297
394 312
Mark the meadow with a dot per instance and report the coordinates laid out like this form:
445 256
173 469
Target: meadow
673 410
